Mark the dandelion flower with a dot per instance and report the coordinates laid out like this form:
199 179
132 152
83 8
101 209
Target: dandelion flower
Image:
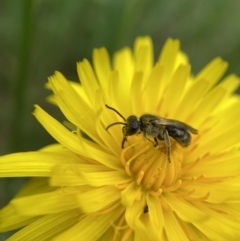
87 187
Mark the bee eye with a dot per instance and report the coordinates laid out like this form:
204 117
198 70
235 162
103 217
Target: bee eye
132 126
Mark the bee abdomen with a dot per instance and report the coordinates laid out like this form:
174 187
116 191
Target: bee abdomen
181 136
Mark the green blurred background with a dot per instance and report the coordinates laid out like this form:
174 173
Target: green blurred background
41 36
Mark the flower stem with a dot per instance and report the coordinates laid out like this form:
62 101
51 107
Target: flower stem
21 73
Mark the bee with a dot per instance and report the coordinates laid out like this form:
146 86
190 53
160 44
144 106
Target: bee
145 210
155 129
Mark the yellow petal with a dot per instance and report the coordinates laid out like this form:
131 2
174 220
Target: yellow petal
130 193
68 174
134 211
52 202
155 213
175 90
172 227
98 198
213 71
124 64
87 79
58 131
143 52
153 89
90 228
220 226
10 219
168 58
30 163
217 190
104 178
184 210
47 227
191 98
102 66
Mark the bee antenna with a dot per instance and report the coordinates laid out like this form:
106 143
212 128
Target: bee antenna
116 123
111 108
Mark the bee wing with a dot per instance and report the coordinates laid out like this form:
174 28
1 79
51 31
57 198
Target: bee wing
175 123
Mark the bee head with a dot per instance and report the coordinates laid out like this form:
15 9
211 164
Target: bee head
132 126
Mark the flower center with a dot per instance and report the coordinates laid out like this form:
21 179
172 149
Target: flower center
150 165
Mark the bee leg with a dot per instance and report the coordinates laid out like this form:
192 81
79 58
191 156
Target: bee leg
168 144
123 141
154 143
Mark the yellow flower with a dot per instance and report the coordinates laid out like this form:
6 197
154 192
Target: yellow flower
88 188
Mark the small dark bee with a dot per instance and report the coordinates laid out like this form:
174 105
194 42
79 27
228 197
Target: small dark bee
157 128
145 210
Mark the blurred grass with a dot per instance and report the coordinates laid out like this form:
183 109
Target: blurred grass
39 37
